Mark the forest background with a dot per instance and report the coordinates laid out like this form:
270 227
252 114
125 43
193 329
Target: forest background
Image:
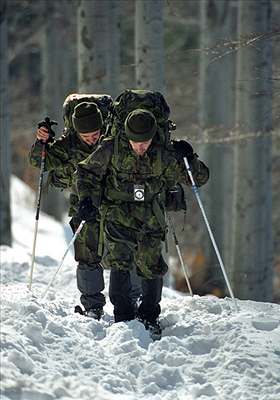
216 62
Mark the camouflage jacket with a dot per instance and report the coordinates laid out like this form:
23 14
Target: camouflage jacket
62 157
112 178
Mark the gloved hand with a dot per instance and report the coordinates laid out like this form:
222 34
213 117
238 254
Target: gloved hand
87 212
183 149
175 198
43 135
45 132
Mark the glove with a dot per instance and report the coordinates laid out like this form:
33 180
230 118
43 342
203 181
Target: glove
183 149
47 123
87 212
175 198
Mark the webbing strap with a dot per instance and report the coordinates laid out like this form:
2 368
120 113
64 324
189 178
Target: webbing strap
101 231
158 166
116 151
113 194
159 214
116 146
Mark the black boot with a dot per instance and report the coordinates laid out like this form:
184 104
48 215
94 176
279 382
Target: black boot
154 329
119 292
90 282
95 313
149 309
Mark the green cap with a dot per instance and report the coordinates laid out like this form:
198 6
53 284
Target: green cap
140 125
87 118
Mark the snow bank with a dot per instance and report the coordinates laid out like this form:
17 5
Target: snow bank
208 351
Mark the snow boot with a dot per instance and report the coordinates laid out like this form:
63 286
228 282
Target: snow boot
95 313
153 327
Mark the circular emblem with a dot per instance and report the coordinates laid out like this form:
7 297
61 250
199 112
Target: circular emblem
139 194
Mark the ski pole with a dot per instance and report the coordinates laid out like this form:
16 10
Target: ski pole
39 195
195 190
48 124
185 270
66 251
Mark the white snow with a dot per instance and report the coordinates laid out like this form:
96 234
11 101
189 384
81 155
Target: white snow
208 351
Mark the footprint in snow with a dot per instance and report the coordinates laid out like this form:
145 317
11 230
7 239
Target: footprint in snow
265 324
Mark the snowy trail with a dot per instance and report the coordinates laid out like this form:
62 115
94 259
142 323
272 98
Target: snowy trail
205 352
208 351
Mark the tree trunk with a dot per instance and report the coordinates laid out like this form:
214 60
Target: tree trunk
149 49
113 43
252 257
92 23
216 116
5 157
68 53
52 97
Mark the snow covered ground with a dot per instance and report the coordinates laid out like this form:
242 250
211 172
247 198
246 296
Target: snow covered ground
208 351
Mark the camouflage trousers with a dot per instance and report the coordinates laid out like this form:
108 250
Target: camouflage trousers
90 280
86 244
128 248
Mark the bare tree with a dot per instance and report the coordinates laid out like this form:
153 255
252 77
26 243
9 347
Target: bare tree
92 25
113 43
5 158
52 97
149 50
68 34
252 257
216 115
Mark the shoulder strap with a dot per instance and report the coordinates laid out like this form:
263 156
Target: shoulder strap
158 163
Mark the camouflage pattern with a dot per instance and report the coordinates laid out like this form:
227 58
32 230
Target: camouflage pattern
128 248
134 229
90 279
86 244
62 157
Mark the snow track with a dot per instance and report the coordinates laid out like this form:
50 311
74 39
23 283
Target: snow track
207 352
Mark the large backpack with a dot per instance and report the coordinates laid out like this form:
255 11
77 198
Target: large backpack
59 178
152 101
103 101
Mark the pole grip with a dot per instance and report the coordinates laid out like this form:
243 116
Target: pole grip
41 177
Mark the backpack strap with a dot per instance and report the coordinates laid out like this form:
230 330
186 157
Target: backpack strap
115 156
101 239
158 163
116 148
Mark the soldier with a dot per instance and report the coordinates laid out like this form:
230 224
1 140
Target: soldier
62 157
129 187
